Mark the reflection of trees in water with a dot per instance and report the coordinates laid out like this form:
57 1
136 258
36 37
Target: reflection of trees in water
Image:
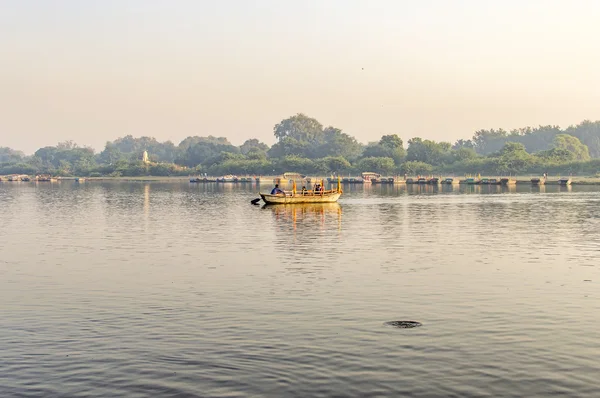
65 199
390 189
390 219
562 223
422 189
14 201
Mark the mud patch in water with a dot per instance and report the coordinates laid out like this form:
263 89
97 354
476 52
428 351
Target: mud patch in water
404 324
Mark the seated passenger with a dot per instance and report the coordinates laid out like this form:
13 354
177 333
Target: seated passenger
276 190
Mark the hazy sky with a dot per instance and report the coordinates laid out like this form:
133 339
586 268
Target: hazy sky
92 71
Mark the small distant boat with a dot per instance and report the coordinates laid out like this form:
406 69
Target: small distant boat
564 182
14 178
471 181
448 181
494 181
369 176
79 180
422 180
383 180
351 180
537 181
25 178
433 181
228 178
44 178
507 181
202 179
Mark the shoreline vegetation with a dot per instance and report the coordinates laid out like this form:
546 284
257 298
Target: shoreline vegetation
305 146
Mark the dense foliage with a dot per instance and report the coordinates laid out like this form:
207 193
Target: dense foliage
304 145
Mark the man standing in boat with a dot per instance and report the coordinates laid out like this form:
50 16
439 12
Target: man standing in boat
276 190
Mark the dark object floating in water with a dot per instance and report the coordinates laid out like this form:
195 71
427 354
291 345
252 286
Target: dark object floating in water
404 324
255 201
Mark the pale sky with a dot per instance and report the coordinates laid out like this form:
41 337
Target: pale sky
92 71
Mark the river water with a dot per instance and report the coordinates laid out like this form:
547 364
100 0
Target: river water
179 290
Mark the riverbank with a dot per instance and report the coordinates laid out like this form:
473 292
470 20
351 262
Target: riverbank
269 180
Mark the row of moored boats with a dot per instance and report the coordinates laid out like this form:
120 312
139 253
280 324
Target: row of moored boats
38 178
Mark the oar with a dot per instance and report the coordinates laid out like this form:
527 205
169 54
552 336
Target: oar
255 201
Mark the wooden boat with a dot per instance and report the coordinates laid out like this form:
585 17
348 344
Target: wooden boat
538 181
494 181
79 180
383 180
329 196
368 176
448 181
44 178
350 180
14 178
471 181
564 182
228 178
507 181
294 196
433 181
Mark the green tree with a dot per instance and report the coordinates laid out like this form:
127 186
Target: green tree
337 143
513 158
463 153
335 164
204 151
428 151
299 127
390 146
382 165
8 155
253 145
588 133
489 141
463 144
111 154
416 168
572 144
296 164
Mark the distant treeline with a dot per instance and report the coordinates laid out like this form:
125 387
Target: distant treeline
305 146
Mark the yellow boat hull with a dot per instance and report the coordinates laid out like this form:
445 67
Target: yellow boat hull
328 197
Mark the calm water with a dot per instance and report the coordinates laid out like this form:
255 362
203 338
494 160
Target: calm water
177 290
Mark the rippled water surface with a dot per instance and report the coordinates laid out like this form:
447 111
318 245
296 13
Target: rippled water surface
177 290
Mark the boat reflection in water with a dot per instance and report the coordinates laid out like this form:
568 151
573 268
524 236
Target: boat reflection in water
308 214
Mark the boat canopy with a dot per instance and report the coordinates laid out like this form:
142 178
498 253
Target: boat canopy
370 174
296 176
